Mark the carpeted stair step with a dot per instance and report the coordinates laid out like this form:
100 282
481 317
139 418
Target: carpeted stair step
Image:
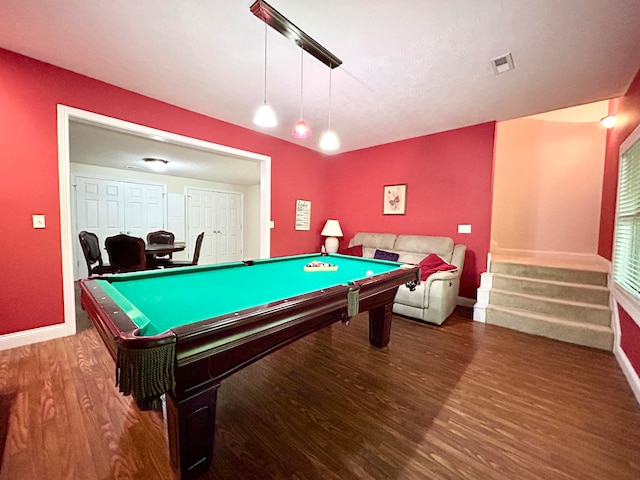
565 309
570 291
580 333
558 274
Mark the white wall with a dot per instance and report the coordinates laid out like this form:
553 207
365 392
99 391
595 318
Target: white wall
252 222
177 185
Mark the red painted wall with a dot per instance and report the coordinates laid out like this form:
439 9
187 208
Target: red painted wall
630 339
627 110
31 276
449 182
448 177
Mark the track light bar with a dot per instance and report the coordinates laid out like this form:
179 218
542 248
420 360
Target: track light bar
281 24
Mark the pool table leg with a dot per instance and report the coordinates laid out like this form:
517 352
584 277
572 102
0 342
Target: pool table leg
191 424
380 325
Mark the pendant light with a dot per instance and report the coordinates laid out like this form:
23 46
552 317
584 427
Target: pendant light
329 141
301 128
265 116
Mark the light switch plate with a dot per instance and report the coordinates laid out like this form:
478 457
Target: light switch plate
38 221
272 224
464 228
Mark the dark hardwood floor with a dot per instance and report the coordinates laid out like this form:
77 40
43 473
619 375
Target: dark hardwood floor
459 401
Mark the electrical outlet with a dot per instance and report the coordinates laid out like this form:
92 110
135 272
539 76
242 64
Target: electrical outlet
464 228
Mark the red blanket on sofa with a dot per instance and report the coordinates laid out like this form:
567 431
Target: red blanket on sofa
432 263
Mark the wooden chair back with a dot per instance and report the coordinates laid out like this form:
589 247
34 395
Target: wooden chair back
126 253
196 251
196 255
92 254
162 237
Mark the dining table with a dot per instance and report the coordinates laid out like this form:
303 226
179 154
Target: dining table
151 250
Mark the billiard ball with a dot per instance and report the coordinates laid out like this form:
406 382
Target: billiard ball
369 273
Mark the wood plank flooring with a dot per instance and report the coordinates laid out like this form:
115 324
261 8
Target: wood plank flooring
459 401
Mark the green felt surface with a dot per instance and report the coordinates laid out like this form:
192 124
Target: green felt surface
159 300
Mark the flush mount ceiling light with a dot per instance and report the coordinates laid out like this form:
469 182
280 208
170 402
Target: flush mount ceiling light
156 164
609 121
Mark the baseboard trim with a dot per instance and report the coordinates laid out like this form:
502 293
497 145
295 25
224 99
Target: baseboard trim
466 302
628 371
36 335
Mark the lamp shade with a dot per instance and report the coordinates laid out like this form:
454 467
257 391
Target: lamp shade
332 229
265 116
301 130
329 141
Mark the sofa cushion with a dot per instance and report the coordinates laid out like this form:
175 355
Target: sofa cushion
432 263
371 241
355 251
413 248
384 255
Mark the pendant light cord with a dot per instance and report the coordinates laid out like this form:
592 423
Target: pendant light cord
301 77
330 69
265 63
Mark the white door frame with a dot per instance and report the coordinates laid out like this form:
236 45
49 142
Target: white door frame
67 114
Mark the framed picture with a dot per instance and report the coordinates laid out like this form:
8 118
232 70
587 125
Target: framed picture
394 199
303 214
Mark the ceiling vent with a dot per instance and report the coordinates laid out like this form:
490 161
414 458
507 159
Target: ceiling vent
503 63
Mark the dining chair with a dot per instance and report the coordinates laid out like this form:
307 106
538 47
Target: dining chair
92 254
126 253
162 237
196 255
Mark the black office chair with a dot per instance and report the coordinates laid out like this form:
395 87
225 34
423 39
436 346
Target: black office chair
194 260
92 255
126 253
162 237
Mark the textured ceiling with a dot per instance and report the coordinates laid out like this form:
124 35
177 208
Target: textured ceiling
411 67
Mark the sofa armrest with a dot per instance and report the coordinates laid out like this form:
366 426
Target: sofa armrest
445 276
457 258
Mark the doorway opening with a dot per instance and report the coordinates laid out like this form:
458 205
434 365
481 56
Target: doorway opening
66 115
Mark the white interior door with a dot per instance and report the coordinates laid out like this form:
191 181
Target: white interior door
229 227
219 215
100 210
109 207
144 209
176 221
201 218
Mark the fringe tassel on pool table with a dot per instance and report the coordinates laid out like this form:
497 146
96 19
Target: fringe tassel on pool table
147 373
353 302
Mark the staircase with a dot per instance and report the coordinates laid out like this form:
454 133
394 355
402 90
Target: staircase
560 300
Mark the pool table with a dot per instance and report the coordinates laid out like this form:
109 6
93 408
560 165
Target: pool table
181 331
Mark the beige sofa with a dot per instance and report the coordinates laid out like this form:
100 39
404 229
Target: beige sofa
435 298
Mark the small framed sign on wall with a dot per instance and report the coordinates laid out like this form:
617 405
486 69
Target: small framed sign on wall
394 199
303 214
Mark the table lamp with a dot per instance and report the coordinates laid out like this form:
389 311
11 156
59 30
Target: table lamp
331 230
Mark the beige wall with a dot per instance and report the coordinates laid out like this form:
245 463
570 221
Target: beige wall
547 187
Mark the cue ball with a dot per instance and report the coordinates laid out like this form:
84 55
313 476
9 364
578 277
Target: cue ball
369 273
